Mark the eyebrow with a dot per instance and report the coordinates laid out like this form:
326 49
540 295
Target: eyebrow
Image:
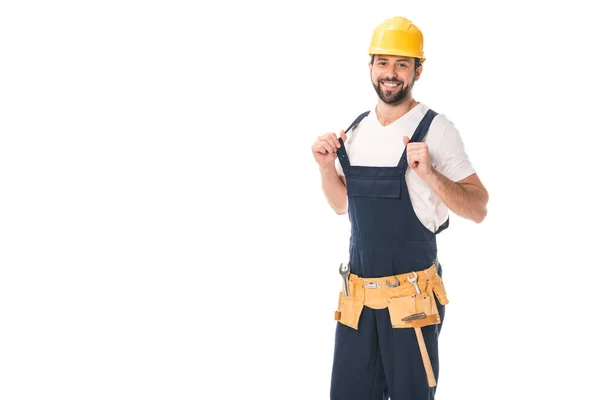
399 59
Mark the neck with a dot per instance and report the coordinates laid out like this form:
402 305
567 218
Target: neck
388 113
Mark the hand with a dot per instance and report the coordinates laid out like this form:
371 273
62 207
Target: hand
417 155
324 149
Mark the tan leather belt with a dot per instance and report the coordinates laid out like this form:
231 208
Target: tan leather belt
409 298
377 292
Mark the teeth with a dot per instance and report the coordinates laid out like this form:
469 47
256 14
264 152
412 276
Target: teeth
390 84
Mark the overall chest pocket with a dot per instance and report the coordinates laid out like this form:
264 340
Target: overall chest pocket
374 187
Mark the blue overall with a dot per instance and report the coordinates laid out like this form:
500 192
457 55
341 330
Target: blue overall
377 361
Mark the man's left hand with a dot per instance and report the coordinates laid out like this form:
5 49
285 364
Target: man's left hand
417 155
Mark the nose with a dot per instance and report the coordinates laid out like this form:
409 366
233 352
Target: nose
390 71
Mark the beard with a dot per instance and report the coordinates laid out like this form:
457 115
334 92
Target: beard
389 96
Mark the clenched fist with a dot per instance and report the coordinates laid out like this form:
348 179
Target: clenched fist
324 149
417 155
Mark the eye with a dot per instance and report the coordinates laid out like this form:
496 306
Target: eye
402 65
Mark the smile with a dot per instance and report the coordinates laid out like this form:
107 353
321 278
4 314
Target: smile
390 84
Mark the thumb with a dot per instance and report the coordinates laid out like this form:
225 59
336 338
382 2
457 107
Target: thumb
406 140
343 135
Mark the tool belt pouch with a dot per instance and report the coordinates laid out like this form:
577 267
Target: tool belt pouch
439 290
349 310
417 310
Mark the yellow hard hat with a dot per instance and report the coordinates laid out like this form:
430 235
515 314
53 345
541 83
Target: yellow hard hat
397 36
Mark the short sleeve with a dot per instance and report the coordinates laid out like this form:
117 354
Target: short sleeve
454 161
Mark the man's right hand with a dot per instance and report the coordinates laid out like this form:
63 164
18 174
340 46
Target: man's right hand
325 148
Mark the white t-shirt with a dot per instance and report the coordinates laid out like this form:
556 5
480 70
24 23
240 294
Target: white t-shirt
375 145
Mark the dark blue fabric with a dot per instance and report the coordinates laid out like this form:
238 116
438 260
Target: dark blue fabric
377 361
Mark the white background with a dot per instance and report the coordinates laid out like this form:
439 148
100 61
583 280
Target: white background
164 234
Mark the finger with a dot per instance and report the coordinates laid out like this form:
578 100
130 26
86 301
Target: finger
326 136
423 154
406 140
321 146
343 135
416 145
335 140
415 151
318 148
420 156
413 157
332 140
327 145
412 147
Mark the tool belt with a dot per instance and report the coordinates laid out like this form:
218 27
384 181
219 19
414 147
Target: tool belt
407 307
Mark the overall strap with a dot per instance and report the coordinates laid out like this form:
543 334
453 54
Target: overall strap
418 136
443 226
357 121
341 153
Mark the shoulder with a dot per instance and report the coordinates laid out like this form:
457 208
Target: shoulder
447 149
442 131
439 122
359 118
357 121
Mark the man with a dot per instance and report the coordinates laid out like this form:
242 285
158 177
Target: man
396 171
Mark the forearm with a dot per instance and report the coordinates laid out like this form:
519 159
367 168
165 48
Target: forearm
334 190
465 200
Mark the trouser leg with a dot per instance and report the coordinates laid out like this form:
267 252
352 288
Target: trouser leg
402 360
357 372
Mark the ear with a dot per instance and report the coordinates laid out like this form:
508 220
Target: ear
418 72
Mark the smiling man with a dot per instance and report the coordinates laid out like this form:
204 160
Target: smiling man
392 89
397 171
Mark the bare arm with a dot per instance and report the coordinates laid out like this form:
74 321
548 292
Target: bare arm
324 150
467 198
334 188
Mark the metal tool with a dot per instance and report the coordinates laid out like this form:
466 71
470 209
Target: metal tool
414 282
393 285
345 273
415 316
372 285
424 355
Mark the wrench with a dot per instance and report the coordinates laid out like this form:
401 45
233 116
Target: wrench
345 273
413 280
393 285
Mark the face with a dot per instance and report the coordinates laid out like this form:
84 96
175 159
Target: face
393 77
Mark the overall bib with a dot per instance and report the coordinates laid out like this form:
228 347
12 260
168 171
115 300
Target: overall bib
377 361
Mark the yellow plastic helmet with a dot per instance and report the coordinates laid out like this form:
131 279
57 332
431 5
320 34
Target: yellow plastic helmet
397 36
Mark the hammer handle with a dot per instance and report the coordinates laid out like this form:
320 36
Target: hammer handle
425 356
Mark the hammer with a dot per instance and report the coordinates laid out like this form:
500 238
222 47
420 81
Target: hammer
419 333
